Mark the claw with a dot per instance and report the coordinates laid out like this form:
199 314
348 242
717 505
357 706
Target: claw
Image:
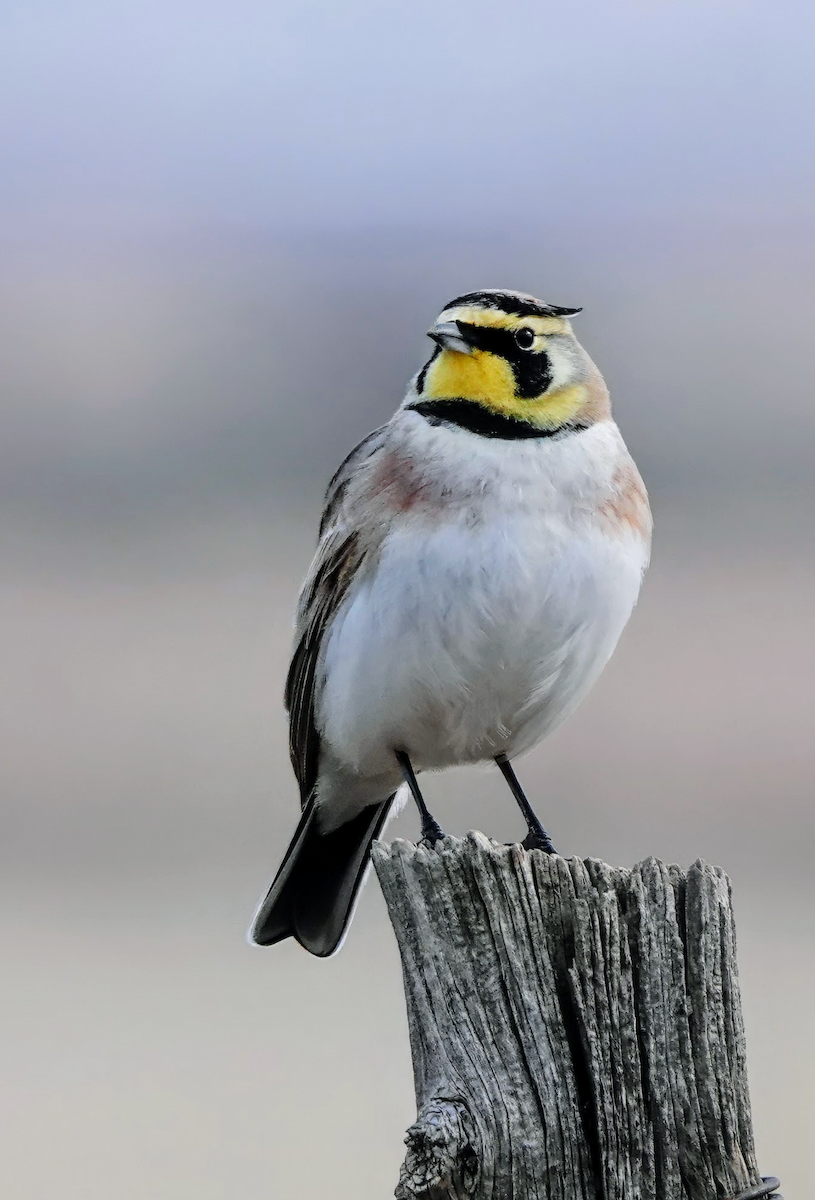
538 841
432 832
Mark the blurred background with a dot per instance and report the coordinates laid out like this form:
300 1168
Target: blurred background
225 229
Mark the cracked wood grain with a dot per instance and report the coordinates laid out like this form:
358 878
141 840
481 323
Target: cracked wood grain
576 1028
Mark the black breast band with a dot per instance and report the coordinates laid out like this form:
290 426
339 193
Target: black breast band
475 417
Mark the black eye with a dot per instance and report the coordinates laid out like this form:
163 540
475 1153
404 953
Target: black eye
524 338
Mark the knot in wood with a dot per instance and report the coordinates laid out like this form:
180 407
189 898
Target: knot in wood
441 1161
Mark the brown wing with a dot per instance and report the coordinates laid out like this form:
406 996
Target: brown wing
342 477
340 555
327 587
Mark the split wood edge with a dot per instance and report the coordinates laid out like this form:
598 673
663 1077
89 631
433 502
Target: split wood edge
576 1028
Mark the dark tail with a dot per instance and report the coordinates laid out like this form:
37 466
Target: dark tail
313 894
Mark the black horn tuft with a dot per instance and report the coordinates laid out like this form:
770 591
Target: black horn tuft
513 303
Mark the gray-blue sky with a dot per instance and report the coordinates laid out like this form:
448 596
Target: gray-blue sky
351 113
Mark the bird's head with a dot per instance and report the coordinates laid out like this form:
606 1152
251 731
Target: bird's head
505 361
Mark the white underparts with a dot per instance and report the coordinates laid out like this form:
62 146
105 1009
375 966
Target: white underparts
488 610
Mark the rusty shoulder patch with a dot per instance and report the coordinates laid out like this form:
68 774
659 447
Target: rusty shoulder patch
626 509
399 483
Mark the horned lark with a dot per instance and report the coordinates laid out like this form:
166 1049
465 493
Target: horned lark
479 556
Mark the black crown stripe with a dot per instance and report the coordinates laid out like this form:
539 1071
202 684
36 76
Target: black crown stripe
513 305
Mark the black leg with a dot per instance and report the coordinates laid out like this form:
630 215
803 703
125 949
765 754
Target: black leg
537 838
432 832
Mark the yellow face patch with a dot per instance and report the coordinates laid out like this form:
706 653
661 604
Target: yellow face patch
478 376
489 379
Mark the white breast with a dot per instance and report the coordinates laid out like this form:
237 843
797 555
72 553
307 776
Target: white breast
486 619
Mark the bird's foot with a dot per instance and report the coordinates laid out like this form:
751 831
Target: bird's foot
538 839
432 832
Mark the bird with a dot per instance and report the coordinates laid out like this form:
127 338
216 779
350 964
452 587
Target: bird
479 556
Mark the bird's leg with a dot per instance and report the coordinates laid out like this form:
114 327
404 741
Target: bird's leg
537 838
432 832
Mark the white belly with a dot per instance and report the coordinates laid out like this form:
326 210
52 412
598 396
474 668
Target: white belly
466 642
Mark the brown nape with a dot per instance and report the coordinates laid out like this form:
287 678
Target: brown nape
597 405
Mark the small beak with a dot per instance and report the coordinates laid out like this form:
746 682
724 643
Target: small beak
448 335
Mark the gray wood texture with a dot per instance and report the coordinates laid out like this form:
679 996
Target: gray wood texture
576 1028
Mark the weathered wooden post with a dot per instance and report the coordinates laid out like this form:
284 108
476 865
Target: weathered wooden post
576 1028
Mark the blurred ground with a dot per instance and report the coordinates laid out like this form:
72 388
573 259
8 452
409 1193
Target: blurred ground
154 1053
